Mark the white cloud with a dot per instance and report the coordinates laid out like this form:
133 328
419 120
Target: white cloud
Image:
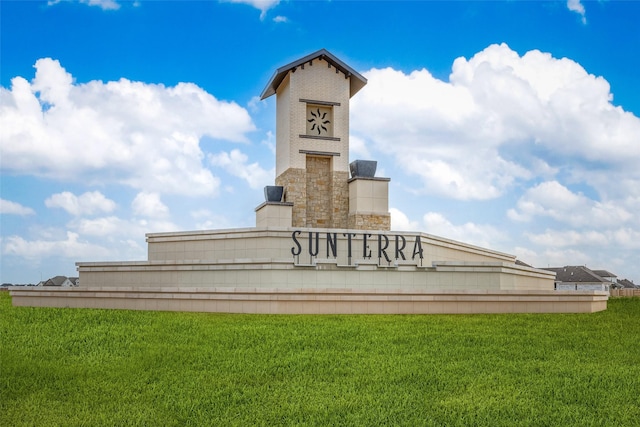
501 120
577 7
358 148
149 205
480 235
69 247
569 238
207 220
85 204
235 163
400 221
261 5
553 200
114 228
623 237
103 4
270 142
102 227
280 19
8 207
556 257
146 136
604 233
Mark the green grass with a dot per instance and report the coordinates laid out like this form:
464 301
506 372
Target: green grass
72 367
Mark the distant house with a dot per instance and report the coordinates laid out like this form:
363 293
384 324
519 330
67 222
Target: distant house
625 284
606 275
580 278
62 281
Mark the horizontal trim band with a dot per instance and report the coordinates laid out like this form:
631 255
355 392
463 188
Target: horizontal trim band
320 153
313 101
325 138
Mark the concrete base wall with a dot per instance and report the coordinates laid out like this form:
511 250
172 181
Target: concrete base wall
314 301
270 270
280 258
283 273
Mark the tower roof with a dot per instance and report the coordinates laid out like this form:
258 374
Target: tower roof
357 81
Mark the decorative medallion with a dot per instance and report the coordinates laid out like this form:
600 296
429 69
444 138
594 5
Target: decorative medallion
318 122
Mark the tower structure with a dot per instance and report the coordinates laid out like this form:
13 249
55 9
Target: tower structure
312 147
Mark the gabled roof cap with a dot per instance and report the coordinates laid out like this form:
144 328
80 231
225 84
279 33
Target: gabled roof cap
357 81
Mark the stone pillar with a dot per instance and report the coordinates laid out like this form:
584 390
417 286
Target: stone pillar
369 204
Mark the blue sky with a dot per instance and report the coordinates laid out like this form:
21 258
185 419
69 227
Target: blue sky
510 125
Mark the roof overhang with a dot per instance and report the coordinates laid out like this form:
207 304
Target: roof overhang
357 81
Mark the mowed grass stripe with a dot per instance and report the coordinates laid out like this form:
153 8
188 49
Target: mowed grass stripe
73 367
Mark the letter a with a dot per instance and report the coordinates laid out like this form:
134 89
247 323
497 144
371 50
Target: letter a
417 248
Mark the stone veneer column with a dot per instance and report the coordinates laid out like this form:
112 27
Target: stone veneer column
340 202
370 221
294 182
319 203
329 205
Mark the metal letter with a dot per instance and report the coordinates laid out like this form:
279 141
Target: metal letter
294 251
349 236
399 248
332 243
365 246
311 252
383 250
417 248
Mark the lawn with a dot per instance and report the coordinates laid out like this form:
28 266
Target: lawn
72 367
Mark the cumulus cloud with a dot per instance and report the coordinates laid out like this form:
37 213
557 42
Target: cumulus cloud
578 225
70 247
261 5
501 120
86 204
400 221
207 220
102 4
358 148
149 205
235 163
577 7
476 234
7 207
569 238
146 136
553 200
504 124
119 229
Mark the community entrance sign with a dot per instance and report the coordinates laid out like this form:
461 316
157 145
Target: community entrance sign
322 241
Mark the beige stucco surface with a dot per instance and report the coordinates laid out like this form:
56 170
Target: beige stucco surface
315 301
267 258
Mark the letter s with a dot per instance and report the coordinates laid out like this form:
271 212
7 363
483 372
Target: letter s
295 251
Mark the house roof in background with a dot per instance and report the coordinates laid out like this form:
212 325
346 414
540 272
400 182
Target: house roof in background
55 281
579 274
627 284
604 273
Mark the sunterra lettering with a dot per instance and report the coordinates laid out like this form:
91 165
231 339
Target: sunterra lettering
388 246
